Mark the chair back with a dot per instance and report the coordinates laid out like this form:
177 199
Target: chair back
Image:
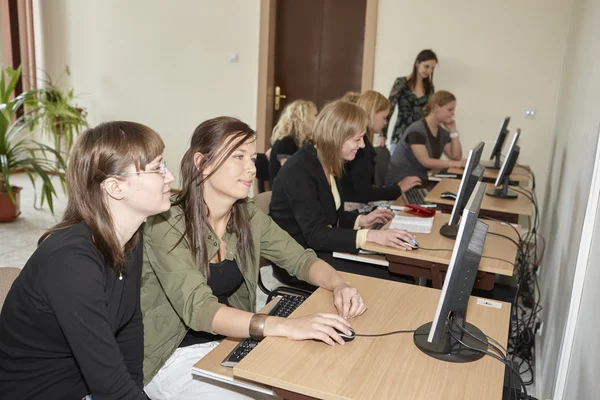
7 277
382 160
263 200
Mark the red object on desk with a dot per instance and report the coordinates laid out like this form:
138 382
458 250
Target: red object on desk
419 211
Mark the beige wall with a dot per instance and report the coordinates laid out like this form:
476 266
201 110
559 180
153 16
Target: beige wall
498 57
162 63
574 139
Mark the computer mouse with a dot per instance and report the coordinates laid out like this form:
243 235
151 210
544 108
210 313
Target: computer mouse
412 244
346 337
448 195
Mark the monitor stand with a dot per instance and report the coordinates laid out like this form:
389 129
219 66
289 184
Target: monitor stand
449 231
503 192
448 348
496 164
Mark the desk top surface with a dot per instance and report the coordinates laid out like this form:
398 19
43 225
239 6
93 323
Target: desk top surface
522 205
495 246
389 367
519 174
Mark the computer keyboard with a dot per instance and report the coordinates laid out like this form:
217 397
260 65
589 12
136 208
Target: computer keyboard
416 196
284 307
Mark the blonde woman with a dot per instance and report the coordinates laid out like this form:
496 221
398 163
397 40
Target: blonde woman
307 200
424 141
357 183
351 97
292 130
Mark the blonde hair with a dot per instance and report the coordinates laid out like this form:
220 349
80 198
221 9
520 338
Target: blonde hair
439 98
292 122
372 102
351 97
337 122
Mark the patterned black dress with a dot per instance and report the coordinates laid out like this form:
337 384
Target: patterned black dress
410 107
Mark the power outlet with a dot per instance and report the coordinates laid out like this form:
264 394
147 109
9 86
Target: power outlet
540 329
530 113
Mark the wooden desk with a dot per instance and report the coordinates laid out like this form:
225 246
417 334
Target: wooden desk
434 264
519 175
389 367
503 209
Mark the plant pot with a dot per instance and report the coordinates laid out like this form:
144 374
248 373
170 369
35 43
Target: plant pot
8 211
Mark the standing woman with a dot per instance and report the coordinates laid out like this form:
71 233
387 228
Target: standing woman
292 130
201 267
411 93
424 142
307 198
71 326
359 174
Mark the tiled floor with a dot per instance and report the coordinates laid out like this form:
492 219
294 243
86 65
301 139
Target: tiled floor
18 239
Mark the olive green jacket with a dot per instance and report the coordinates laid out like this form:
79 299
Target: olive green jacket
175 295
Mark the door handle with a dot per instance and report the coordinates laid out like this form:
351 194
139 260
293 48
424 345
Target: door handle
278 96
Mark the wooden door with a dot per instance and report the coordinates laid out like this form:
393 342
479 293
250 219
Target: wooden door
318 49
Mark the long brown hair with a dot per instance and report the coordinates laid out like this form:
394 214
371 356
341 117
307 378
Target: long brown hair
209 139
337 122
424 55
107 150
372 102
439 98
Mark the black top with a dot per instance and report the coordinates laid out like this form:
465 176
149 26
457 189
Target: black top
282 148
70 327
302 204
357 183
224 279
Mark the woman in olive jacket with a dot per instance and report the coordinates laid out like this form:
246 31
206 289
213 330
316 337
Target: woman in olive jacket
201 267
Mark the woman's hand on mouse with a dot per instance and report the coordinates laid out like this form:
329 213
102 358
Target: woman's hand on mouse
348 301
391 238
316 326
375 217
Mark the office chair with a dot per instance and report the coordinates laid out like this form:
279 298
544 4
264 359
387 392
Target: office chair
382 160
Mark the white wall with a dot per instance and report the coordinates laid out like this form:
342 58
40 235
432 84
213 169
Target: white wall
498 57
571 163
161 63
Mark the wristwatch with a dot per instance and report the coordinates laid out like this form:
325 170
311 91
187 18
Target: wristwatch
454 135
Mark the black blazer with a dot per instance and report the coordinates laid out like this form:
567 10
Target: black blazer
302 204
357 183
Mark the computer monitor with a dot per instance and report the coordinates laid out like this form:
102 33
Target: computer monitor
441 338
497 150
507 167
473 173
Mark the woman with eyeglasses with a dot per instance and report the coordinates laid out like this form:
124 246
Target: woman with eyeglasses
71 325
201 268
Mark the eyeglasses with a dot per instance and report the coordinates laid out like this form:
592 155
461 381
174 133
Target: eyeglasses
161 170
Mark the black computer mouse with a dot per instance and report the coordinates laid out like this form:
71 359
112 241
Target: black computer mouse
346 337
448 195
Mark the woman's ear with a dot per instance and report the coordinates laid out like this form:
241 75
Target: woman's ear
198 157
112 187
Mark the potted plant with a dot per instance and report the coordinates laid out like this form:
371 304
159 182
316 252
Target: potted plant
57 115
20 152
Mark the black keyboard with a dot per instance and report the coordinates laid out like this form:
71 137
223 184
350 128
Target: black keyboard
283 308
416 196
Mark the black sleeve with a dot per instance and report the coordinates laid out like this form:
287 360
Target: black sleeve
74 285
415 138
359 173
131 337
303 198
